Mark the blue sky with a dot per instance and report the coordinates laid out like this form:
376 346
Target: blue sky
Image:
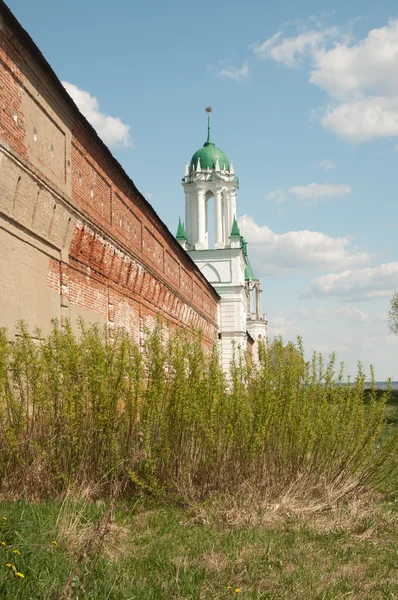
305 103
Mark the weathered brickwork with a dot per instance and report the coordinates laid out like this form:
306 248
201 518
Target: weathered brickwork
98 249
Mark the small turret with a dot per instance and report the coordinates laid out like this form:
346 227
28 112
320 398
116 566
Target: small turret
235 236
181 235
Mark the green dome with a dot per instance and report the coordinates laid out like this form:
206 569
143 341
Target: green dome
209 154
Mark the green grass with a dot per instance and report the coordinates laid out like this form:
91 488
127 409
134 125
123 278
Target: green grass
156 551
392 410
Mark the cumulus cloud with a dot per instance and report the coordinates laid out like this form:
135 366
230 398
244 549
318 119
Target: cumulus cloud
111 130
292 50
317 191
236 73
368 66
278 196
273 253
358 284
311 193
300 317
360 77
364 119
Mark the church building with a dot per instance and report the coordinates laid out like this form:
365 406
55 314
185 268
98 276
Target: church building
213 241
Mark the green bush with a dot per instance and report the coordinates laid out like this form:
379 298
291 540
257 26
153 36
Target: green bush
95 411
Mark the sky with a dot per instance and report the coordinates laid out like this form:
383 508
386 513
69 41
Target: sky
305 103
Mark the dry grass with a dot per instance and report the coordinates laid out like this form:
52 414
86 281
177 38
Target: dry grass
88 536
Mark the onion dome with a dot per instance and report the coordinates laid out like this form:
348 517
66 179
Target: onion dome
208 155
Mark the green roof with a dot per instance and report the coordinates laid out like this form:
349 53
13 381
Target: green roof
249 271
249 274
209 154
181 235
235 229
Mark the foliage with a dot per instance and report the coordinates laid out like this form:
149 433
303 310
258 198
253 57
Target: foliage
393 314
96 411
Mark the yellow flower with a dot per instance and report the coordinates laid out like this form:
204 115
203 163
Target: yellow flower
229 587
17 552
55 543
237 590
5 519
3 544
19 575
10 566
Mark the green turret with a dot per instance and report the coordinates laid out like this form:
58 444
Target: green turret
181 235
235 229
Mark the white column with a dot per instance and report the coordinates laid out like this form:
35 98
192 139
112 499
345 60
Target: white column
250 301
218 228
194 219
227 229
233 205
258 301
188 217
200 245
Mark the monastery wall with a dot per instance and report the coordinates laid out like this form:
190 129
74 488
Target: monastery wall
77 239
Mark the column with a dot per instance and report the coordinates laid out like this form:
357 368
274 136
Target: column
250 301
227 229
188 217
194 219
200 245
259 308
218 229
233 206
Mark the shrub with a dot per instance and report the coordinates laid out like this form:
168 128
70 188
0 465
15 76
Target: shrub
97 411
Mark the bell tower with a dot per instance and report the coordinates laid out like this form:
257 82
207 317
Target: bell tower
213 240
210 174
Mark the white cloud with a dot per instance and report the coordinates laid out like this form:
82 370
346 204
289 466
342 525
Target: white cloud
291 50
351 332
359 284
278 196
236 73
272 253
310 193
360 77
363 119
327 165
317 191
368 66
111 130
148 196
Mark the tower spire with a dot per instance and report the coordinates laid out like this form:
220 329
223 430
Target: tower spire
209 141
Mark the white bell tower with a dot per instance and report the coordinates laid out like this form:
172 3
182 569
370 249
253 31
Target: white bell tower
213 240
209 175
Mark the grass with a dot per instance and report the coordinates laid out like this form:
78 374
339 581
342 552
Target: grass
392 411
163 551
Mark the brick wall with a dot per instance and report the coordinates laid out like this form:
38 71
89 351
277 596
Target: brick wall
100 250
